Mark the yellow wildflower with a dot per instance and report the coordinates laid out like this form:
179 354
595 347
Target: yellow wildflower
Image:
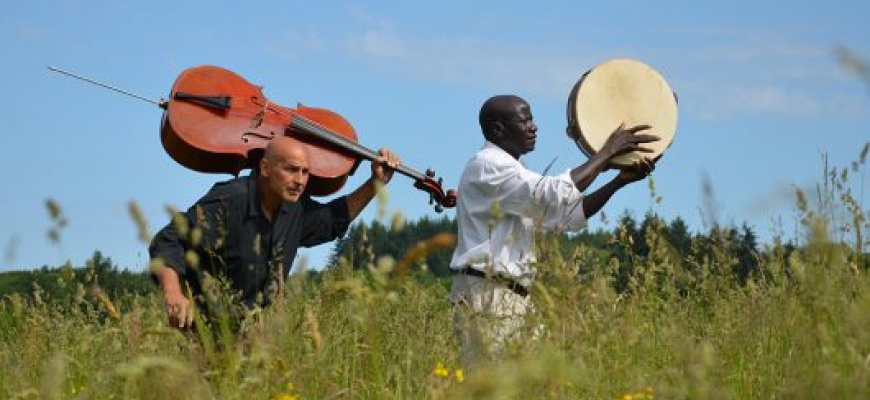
460 376
440 370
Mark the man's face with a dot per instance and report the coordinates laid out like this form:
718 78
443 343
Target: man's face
518 130
287 173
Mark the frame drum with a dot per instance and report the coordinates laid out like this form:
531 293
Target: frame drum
621 91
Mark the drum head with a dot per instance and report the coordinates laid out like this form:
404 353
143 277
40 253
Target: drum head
616 92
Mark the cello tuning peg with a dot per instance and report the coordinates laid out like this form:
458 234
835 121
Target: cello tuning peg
439 209
430 173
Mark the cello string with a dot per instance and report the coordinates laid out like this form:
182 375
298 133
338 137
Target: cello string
311 127
161 103
339 140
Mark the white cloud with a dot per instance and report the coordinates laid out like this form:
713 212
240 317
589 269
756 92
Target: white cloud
292 44
470 62
776 101
767 77
740 73
719 102
382 44
29 32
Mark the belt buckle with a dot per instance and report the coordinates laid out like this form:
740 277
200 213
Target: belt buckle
514 286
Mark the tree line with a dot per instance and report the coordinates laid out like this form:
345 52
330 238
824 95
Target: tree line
629 241
620 251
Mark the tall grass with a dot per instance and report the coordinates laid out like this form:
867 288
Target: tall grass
796 328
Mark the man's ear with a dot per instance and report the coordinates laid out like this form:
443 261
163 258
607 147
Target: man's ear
264 167
496 129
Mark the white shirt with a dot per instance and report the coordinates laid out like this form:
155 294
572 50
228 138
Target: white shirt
500 206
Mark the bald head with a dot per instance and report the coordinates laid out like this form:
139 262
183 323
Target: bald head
284 146
506 120
498 109
284 169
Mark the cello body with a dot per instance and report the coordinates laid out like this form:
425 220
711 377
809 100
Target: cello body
218 122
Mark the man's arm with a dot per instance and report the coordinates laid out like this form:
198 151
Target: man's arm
360 198
622 141
382 171
583 175
325 222
596 200
178 307
168 251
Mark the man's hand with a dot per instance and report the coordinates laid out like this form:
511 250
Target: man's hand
638 170
178 308
622 141
626 140
384 166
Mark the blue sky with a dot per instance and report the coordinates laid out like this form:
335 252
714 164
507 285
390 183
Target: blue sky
762 96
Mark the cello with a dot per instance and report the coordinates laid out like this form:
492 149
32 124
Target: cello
215 121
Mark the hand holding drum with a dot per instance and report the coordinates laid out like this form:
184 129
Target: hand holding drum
623 109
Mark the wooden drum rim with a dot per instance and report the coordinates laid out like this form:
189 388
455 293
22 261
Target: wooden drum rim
618 91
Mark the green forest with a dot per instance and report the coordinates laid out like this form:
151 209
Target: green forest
623 246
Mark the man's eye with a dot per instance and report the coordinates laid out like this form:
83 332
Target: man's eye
296 169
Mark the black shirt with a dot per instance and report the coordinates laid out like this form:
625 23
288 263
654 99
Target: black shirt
227 236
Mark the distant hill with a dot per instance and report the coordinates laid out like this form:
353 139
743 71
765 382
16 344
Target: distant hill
62 282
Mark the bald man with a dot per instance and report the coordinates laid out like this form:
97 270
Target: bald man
500 206
244 233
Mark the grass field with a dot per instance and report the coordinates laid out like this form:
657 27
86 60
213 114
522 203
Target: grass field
799 328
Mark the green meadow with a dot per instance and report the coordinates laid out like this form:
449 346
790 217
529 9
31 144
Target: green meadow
647 310
670 321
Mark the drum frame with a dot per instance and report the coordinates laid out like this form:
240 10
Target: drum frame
574 130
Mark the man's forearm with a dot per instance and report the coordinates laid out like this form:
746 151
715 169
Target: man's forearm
361 197
585 174
169 281
179 308
596 200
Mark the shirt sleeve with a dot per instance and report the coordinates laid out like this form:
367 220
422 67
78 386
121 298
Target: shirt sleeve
194 229
168 247
552 202
322 223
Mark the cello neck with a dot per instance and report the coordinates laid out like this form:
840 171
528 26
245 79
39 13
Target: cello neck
425 182
299 124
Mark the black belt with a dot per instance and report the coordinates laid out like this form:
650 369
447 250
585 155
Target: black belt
514 286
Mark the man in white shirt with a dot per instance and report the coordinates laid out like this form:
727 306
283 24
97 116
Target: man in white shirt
501 204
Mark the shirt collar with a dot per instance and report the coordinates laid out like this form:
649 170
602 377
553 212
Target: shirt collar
499 152
490 145
255 205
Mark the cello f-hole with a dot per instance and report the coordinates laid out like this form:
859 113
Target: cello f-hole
245 136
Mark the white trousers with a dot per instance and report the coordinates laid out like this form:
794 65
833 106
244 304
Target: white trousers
489 318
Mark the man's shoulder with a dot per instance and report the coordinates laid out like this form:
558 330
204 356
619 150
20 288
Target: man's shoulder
491 159
235 188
